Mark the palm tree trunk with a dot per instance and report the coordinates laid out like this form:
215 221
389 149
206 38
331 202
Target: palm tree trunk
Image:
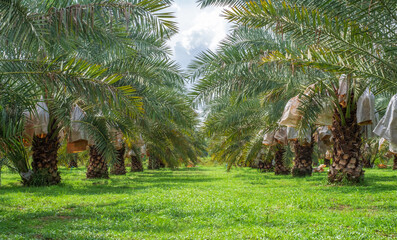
366 162
267 166
347 144
73 161
327 162
255 164
154 163
162 165
45 159
280 168
395 162
97 167
118 168
303 159
136 165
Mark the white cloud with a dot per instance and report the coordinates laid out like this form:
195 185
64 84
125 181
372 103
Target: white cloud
198 29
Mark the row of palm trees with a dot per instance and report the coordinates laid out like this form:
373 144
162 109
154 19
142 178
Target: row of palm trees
109 59
327 53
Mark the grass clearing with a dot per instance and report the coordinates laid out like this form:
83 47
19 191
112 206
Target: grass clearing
200 203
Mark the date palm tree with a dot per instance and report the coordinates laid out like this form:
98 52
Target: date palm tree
55 47
352 37
234 75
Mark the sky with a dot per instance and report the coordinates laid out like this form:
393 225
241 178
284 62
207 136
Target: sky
199 30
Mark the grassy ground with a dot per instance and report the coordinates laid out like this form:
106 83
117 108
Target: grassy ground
200 203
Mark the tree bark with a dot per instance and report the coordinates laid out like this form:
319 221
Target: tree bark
366 162
303 160
154 163
45 159
395 162
97 167
280 168
136 165
256 164
346 165
267 166
265 163
73 161
327 162
118 168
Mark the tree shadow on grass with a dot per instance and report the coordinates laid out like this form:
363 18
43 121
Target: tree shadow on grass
114 185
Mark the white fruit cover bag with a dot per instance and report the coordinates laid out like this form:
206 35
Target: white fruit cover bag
293 135
76 130
326 116
78 138
291 115
324 134
36 123
366 108
387 126
268 139
281 136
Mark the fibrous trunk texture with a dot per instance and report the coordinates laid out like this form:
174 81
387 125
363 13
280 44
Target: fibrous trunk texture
73 161
136 165
266 166
118 168
303 160
280 168
347 144
367 162
154 163
395 162
255 164
162 165
45 160
327 162
97 167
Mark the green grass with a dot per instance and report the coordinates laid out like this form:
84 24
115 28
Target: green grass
200 203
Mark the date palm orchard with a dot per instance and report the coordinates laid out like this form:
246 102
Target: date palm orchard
111 59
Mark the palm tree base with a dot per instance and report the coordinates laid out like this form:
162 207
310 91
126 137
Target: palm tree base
73 164
136 165
280 168
119 167
346 164
154 163
266 166
395 162
97 167
327 162
303 160
367 162
73 161
45 161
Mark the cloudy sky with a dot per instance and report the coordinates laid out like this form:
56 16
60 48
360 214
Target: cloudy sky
199 29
